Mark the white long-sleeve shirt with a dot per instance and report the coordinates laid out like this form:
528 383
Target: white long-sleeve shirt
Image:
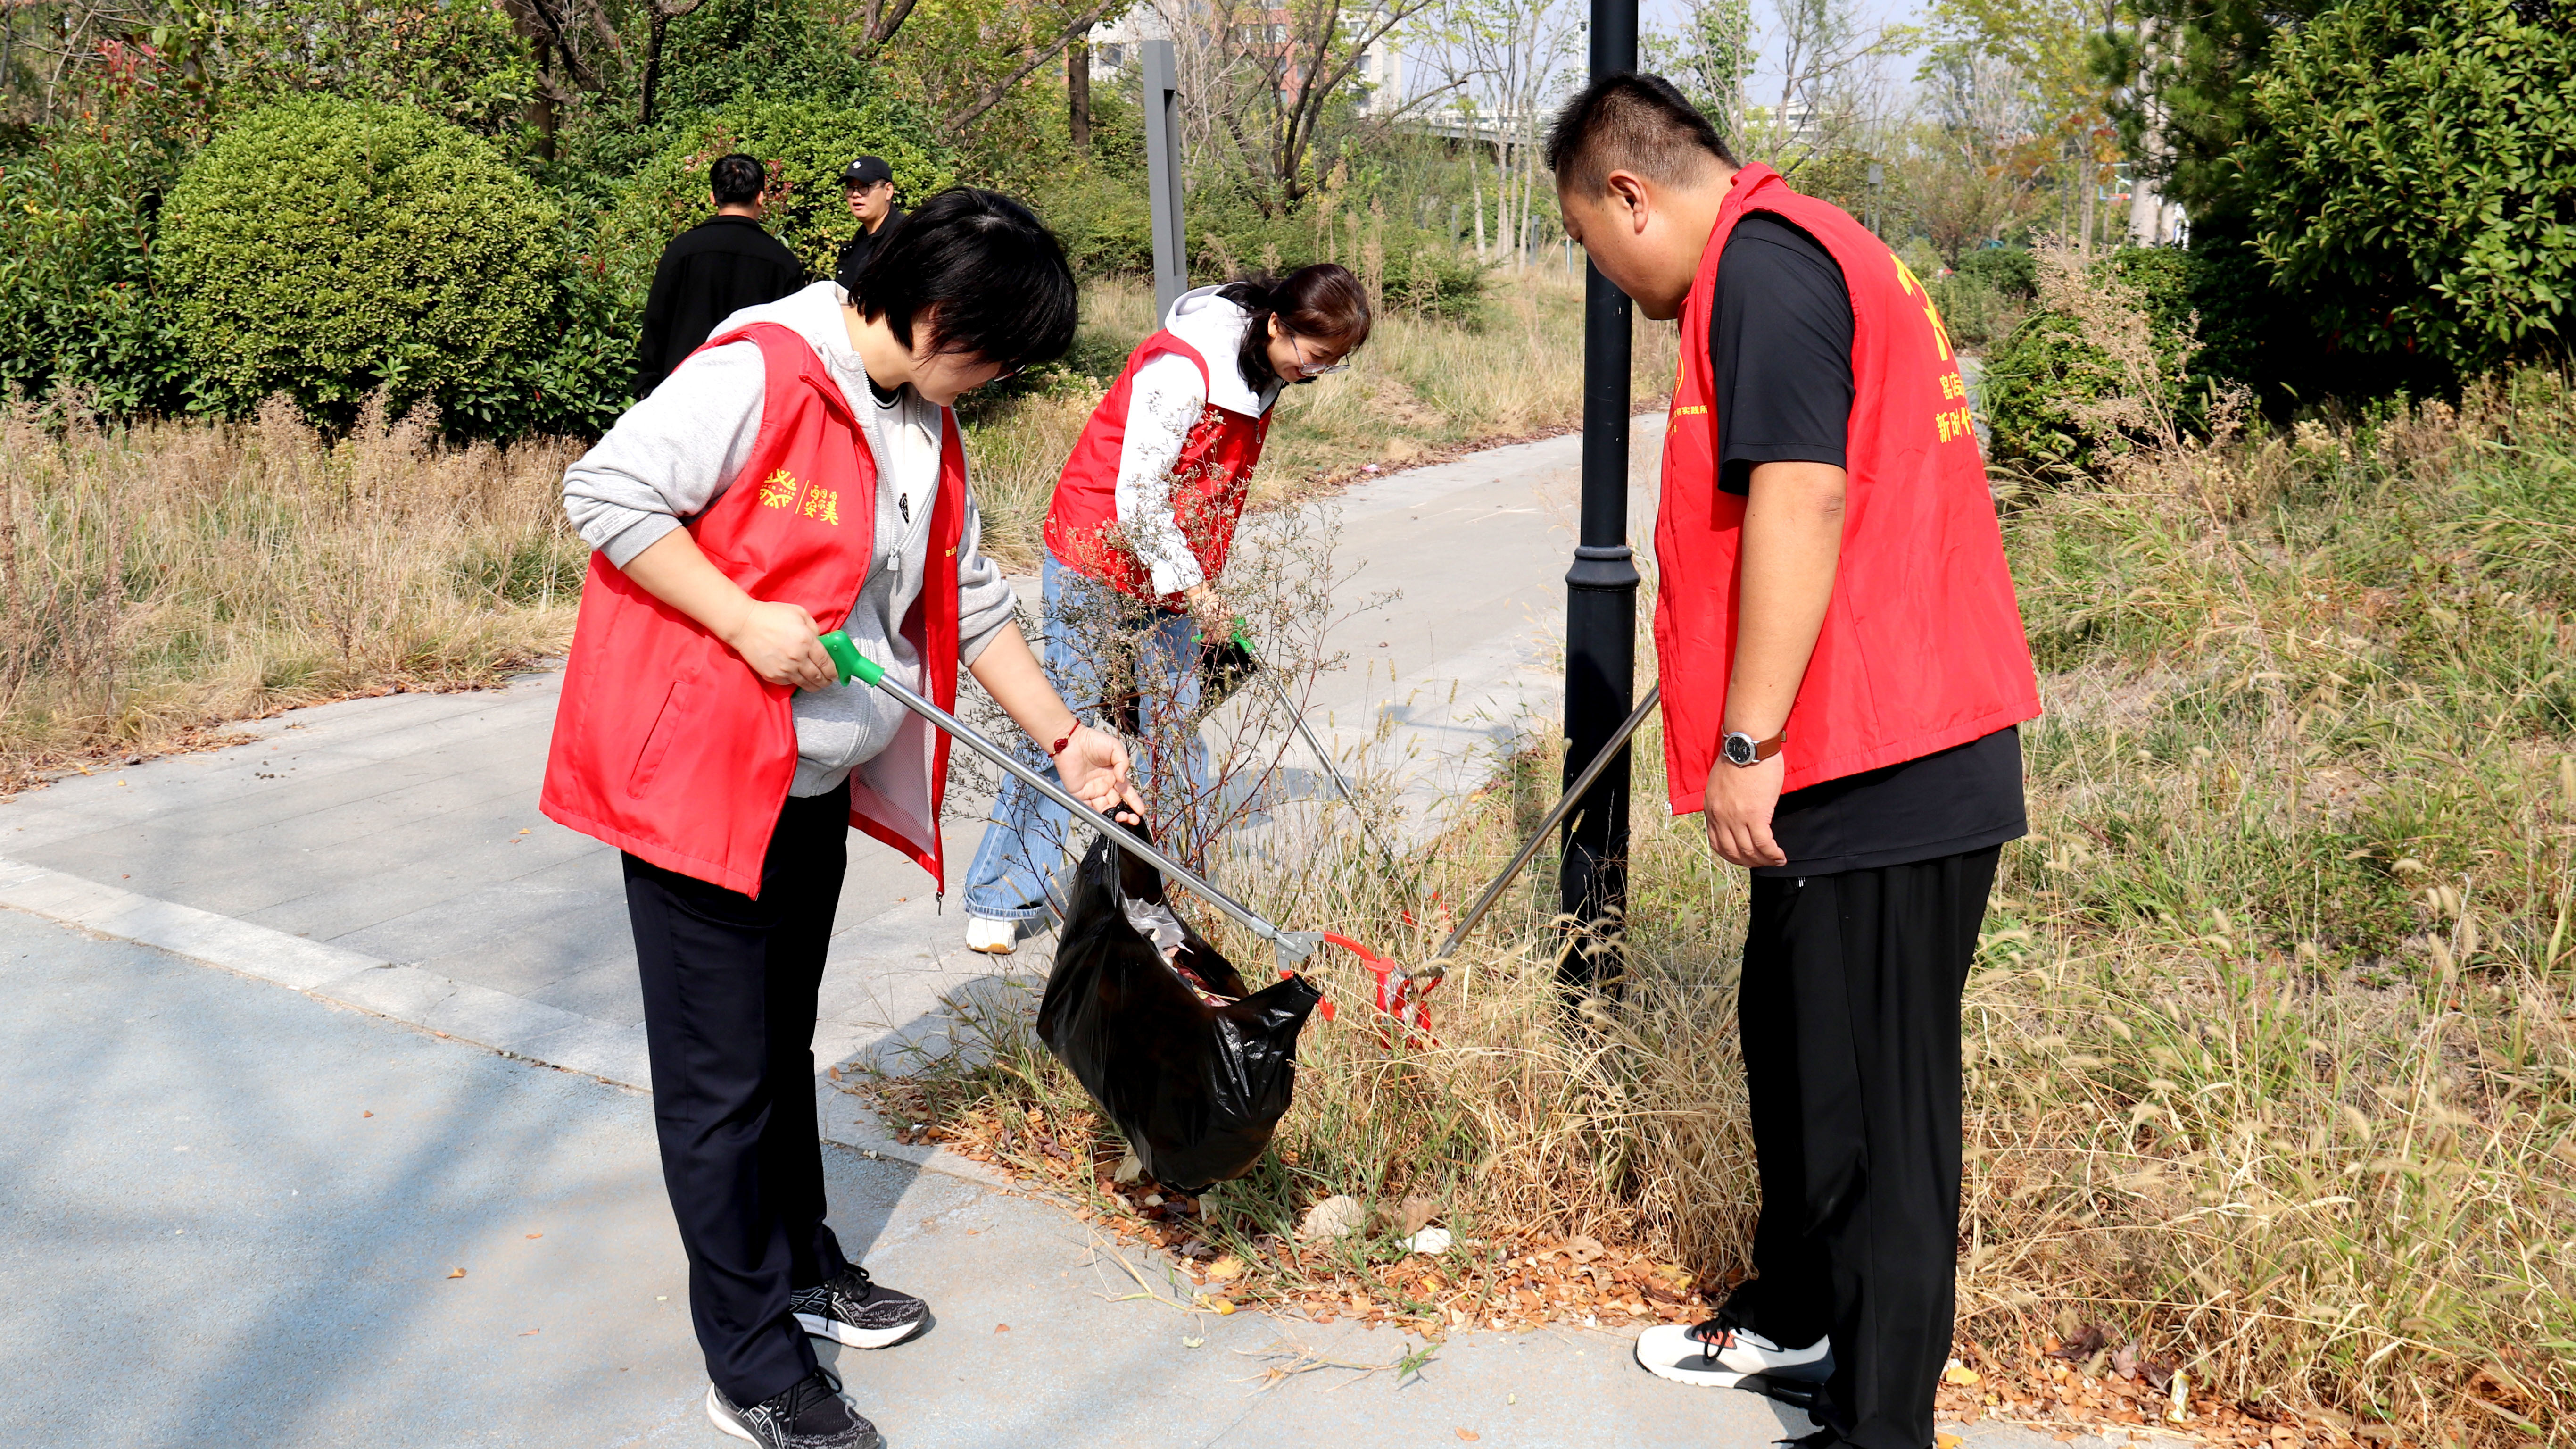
1164 401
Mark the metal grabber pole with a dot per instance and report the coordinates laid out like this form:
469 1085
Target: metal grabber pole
1291 947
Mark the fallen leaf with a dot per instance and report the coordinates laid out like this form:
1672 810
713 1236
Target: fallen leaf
1582 1249
1001 1328
1469 1435
1192 1342
459 1273
1226 1269
531 1331
535 1235
366 1114
1945 1441
1961 1375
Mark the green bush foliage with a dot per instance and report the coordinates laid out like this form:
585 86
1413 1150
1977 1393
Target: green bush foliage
2410 178
1105 223
805 143
2012 272
328 248
2049 367
728 50
79 305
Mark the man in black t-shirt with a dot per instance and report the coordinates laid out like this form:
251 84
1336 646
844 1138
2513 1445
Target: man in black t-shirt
713 270
1780 346
1861 589
867 187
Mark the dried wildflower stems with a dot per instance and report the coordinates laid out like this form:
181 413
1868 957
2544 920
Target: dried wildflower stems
166 576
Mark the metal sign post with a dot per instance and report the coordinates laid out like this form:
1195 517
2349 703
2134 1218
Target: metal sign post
1601 605
1163 176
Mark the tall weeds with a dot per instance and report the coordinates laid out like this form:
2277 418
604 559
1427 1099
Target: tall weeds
165 576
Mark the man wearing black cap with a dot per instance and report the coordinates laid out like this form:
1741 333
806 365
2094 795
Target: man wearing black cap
713 270
867 184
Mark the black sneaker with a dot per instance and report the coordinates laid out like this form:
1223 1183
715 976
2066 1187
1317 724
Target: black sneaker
810 1415
857 1311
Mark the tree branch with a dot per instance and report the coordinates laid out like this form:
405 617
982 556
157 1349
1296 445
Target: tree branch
993 95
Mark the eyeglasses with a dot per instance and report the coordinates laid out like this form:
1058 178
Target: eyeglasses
1307 369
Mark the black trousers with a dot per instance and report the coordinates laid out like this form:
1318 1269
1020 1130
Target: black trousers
1850 1018
729 989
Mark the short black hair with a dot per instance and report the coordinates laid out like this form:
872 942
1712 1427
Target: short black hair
995 274
1627 121
737 180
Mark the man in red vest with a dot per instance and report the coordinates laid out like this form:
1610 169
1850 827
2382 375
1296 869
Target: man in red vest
1843 668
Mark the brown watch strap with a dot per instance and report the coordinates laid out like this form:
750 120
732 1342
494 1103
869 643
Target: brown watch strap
1763 749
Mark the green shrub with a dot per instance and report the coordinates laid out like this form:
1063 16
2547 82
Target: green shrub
1104 220
1973 313
2012 272
78 302
2409 177
2049 368
327 248
805 143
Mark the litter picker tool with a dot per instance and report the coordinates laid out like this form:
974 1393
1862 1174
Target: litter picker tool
1291 947
1438 966
1332 771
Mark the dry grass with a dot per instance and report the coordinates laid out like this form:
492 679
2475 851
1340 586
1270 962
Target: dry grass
168 576
1420 390
2271 1042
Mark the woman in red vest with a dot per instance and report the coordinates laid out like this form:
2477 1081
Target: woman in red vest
1143 517
1843 672
799 473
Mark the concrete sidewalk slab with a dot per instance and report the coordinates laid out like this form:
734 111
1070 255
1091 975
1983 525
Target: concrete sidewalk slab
231 1214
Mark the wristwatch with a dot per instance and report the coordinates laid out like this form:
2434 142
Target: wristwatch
1743 751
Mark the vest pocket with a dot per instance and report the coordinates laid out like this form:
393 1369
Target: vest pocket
666 727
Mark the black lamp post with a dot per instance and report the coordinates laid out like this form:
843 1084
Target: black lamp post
1600 601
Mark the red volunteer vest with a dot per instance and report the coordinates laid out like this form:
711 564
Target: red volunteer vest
1209 481
1922 646
666 745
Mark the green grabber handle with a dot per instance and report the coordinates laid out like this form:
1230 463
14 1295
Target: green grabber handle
1291 947
1332 771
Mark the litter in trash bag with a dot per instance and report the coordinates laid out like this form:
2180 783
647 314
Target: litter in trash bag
1160 1029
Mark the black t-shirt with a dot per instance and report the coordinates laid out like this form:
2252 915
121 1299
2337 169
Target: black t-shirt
856 251
1779 352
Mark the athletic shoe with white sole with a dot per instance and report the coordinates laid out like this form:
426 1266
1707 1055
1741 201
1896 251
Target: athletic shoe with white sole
810 1415
856 1310
993 938
1717 1356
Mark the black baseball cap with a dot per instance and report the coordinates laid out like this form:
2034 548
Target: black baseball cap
866 171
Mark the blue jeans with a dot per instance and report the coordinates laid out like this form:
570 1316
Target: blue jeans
1094 634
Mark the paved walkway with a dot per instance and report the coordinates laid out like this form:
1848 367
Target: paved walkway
232 1208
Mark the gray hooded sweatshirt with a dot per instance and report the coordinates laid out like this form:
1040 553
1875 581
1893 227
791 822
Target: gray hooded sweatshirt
675 453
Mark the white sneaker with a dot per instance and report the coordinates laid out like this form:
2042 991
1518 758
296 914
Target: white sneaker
993 938
1714 1356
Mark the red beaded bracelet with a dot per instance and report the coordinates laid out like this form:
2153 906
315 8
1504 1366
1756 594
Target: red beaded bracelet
1068 739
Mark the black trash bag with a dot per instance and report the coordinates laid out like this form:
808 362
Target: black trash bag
1224 667
1196 1079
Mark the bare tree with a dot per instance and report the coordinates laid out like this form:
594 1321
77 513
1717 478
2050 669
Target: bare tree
1832 81
1507 59
1258 81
